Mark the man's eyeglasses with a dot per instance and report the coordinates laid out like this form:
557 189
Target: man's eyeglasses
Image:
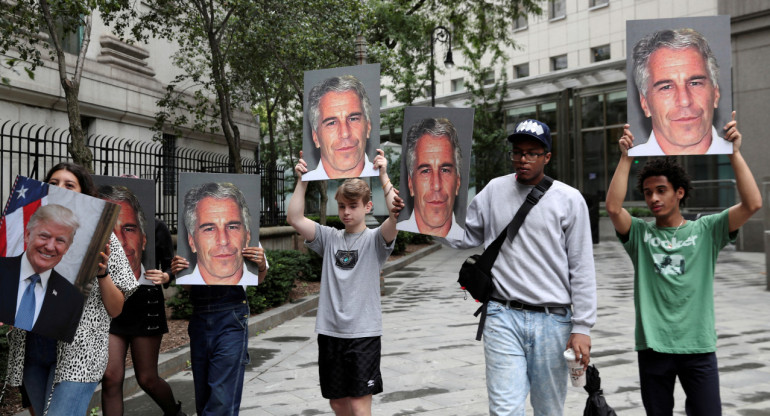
528 156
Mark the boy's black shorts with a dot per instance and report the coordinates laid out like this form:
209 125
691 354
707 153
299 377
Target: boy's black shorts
349 367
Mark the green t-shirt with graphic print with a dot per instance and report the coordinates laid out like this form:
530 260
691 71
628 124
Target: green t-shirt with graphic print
674 283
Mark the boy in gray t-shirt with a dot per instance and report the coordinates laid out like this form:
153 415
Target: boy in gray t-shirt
349 320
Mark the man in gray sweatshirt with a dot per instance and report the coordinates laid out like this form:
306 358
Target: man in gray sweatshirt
544 300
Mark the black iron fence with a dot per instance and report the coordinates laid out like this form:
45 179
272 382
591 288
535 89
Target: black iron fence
31 150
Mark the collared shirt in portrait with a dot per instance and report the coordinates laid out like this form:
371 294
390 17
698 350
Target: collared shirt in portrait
319 173
455 233
718 146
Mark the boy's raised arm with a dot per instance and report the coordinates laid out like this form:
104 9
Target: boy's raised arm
392 200
751 198
616 194
296 212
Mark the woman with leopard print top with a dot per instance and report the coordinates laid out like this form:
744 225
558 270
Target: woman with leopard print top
61 377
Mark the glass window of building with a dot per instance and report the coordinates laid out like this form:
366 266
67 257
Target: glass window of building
601 124
557 9
383 101
558 62
713 183
520 23
489 77
600 53
458 85
597 3
521 70
70 41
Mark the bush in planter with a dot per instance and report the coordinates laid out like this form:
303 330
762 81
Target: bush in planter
181 307
331 221
420 239
402 239
405 237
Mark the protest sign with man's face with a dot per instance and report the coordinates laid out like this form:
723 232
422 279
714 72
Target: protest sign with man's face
435 169
218 220
341 134
678 85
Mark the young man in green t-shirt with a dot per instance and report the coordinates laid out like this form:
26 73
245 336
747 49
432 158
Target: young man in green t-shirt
674 262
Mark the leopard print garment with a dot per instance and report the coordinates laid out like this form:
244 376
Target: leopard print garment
85 359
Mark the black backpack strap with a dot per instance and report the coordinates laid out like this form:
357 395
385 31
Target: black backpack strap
533 198
488 257
483 311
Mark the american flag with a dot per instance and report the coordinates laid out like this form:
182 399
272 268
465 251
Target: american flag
27 195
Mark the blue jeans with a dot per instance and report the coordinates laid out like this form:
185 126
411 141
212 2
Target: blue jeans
698 373
71 398
524 354
219 354
39 369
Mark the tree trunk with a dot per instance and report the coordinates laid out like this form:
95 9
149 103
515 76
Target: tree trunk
271 153
229 128
324 199
77 148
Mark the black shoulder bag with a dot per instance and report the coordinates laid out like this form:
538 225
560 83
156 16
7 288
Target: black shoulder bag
476 272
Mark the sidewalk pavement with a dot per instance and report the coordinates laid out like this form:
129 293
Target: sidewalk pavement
432 365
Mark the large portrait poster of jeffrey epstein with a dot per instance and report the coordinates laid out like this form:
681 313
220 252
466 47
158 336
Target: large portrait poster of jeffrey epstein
218 217
50 244
679 85
342 122
435 170
135 227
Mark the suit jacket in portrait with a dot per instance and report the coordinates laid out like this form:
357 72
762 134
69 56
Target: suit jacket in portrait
62 304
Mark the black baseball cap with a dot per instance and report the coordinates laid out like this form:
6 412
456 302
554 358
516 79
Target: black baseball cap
532 129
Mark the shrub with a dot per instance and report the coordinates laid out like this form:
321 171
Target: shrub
420 238
181 307
331 221
401 241
640 212
300 265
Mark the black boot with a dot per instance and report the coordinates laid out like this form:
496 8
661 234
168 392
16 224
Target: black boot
178 411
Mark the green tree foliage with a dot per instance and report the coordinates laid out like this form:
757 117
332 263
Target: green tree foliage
245 54
30 30
207 33
481 31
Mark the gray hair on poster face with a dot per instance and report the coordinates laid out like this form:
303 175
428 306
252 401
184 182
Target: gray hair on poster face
214 190
337 84
676 39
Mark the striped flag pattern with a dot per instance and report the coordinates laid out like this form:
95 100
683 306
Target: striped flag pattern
27 195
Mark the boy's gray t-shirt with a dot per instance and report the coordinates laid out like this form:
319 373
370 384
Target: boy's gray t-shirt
349 301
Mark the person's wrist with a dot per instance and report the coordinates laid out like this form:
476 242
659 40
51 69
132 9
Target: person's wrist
103 275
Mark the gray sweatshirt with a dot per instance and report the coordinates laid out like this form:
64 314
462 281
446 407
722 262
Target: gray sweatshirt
550 262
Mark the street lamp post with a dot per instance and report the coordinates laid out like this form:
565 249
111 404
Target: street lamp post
440 34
